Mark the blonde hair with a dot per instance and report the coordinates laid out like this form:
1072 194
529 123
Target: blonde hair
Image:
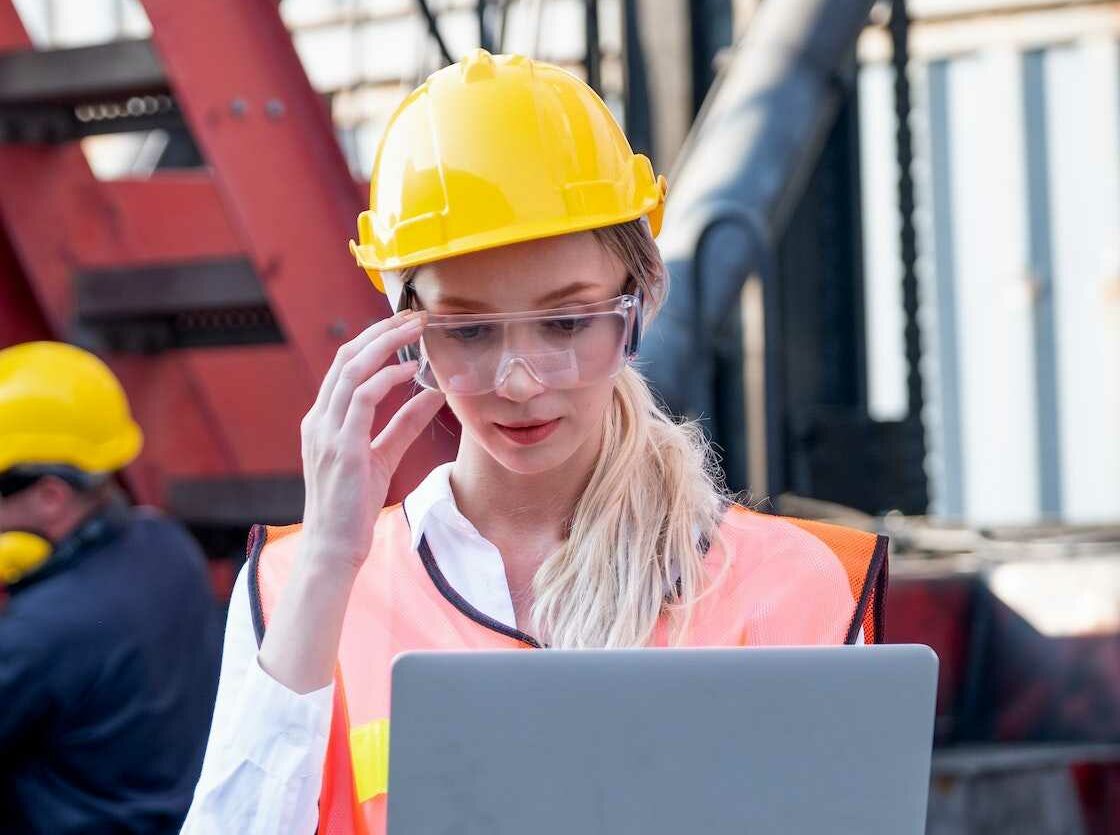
639 533
640 530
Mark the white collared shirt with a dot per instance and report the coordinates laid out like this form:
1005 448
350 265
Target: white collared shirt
264 760
468 561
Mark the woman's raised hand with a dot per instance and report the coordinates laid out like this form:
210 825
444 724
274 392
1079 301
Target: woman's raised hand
346 474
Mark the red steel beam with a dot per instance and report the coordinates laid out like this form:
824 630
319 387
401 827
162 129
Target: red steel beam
20 317
261 414
283 180
52 200
172 216
179 431
56 214
277 191
275 161
50 211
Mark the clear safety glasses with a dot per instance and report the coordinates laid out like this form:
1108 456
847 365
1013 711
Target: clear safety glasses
568 347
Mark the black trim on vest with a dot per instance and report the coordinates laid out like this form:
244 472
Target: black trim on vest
258 535
455 599
873 592
879 614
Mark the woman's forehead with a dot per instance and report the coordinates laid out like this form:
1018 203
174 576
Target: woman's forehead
531 275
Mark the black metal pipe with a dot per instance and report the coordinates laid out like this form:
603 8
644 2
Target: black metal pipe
433 30
638 109
503 25
746 163
591 58
483 34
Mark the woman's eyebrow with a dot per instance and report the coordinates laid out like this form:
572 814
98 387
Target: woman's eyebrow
551 299
564 293
459 303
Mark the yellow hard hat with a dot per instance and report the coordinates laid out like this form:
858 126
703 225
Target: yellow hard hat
494 150
62 405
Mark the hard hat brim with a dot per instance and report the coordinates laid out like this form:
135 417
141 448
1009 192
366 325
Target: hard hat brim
366 254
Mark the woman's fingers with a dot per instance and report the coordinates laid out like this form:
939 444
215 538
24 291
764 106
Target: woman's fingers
360 368
349 350
367 397
404 428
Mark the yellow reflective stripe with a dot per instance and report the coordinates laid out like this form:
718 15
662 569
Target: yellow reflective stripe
369 755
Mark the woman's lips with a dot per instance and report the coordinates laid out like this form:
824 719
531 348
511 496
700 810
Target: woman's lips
528 433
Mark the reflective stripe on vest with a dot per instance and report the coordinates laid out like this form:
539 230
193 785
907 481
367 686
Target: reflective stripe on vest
780 582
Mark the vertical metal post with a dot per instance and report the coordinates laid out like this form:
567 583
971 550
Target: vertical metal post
915 397
900 40
711 31
1042 267
483 34
591 58
639 126
503 25
951 497
774 376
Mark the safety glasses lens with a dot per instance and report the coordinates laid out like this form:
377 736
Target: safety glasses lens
474 355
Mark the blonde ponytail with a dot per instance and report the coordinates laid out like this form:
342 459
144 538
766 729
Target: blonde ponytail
639 532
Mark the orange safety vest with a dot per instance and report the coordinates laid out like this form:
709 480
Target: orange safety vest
789 582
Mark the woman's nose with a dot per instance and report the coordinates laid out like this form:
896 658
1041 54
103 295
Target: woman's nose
518 383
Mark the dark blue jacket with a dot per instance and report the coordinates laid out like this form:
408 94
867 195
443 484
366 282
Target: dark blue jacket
108 670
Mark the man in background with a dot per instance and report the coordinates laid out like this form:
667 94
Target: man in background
109 634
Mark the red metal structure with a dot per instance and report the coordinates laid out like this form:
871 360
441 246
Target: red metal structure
219 294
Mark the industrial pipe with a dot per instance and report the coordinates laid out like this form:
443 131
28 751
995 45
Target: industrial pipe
741 173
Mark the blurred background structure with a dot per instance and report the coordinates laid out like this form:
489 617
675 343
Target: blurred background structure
894 233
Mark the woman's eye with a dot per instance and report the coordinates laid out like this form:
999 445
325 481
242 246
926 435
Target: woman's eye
469 333
569 324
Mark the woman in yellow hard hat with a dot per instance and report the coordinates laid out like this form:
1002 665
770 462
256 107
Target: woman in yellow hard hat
513 228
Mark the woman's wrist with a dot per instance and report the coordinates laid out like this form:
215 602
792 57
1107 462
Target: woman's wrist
323 564
300 646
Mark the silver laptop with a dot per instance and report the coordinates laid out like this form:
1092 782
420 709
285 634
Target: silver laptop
662 742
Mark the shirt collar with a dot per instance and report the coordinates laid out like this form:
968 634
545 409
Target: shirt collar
433 500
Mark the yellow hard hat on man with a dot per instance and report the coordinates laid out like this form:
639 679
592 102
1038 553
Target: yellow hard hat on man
62 406
495 150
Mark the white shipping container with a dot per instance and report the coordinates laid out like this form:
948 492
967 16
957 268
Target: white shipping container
1018 218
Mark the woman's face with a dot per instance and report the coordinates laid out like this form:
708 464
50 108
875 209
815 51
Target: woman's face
523 425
